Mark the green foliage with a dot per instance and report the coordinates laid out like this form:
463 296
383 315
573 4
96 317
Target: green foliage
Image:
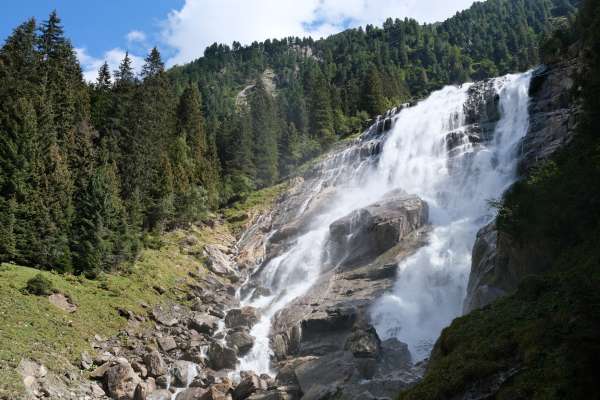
39 285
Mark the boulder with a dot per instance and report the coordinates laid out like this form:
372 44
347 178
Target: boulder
182 373
121 380
191 393
394 356
161 394
241 340
155 364
366 233
86 360
219 391
325 376
221 357
217 261
167 315
140 392
249 384
63 302
203 323
167 343
242 317
364 342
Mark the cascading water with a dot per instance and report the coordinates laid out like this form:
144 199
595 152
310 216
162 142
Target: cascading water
457 185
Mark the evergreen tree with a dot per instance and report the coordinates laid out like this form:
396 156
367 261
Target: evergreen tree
320 110
265 135
373 100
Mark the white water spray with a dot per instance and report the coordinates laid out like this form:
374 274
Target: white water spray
430 284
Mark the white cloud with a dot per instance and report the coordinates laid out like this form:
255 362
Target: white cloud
90 65
136 36
200 23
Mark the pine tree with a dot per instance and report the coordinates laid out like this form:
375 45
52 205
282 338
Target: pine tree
373 100
265 135
154 65
124 76
99 223
190 125
320 110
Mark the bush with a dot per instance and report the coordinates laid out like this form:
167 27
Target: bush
39 285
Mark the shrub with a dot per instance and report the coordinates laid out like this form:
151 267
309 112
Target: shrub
39 285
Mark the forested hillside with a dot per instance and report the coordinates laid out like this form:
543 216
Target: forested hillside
87 169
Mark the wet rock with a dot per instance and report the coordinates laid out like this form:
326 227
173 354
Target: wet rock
394 356
182 372
241 340
155 364
194 355
167 343
192 393
121 380
247 386
140 393
242 317
203 323
332 319
368 232
323 377
286 374
162 381
221 357
219 391
364 342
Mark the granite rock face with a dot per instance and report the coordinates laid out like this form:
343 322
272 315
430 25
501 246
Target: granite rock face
498 263
368 232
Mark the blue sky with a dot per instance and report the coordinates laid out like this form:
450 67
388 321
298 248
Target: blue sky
104 29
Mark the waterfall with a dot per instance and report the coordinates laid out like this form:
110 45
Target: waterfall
431 284
457 185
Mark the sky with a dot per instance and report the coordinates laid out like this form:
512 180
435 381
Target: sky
104 29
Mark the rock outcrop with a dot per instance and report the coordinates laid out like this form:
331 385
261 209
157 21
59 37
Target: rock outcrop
498 263
368 232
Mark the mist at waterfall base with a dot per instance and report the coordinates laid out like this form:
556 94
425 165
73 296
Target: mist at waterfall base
457 185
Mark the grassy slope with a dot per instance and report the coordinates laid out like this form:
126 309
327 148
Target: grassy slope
33 328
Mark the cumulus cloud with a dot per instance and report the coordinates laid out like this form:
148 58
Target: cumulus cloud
90 65
199 23
136 36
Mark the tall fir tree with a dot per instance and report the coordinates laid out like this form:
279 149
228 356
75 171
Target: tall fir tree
266 135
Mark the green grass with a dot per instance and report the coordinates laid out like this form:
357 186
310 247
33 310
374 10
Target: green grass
239 214
35 329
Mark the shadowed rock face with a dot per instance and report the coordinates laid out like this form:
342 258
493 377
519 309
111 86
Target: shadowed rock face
498 263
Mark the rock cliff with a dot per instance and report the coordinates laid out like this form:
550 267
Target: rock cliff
498 263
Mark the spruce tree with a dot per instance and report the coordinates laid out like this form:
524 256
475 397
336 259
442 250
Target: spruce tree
265 135
320 110
373 100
